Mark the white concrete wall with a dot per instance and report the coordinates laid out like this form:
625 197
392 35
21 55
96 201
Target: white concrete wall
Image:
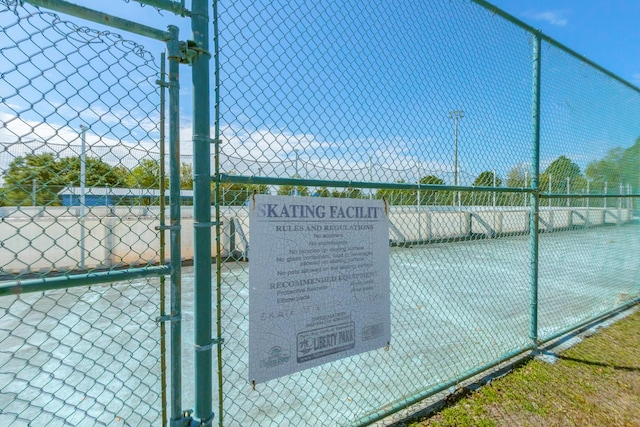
51 240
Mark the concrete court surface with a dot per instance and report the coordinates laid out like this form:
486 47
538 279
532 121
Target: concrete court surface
92 354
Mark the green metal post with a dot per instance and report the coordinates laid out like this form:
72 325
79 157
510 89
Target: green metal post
41 284
163 333
535 194
202 214
173 47
216 56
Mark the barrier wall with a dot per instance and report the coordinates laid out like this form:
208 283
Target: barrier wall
48 242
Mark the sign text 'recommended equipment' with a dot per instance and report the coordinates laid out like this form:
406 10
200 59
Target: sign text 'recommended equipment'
318 282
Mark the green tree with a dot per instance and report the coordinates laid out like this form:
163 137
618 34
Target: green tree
348 193
258 188
24 173
323 192
233 194
630 165
605 172
238 194
519 177
431 180
434 197
97 173
618 168
486 179
558 172
396 196
563 173
146 175
291 190
352 193
186 176
47 176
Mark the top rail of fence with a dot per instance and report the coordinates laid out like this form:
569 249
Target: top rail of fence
496 10
102 18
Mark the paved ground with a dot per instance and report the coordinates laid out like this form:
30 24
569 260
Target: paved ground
455 306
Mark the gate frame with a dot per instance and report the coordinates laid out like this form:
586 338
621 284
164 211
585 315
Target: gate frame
194 53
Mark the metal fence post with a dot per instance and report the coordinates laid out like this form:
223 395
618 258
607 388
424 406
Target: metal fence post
83 183
216 59
202 213
161 236
535 190
173 48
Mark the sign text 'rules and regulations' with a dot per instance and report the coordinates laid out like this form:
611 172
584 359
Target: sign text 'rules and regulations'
318 282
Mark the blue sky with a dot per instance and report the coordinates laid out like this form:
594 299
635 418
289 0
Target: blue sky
362 90
605 31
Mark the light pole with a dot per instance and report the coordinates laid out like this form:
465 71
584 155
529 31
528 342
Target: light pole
456 115
550 188
370 166
494 186
620 198
526 184
83 182
295 191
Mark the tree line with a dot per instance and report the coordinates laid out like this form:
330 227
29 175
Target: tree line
42 176
38 178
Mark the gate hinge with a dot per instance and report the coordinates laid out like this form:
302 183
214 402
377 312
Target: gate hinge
190 421
209 346
167 227
185 420
190 51
206 224
168 318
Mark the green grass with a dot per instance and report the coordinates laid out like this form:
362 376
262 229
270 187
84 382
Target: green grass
595 383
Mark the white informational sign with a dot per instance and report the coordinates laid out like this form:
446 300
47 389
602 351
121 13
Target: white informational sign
318 282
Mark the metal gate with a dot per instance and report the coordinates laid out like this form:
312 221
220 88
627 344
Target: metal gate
90 220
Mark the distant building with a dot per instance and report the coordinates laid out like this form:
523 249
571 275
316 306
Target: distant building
101 196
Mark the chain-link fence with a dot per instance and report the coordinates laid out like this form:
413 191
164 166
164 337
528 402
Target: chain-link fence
432 107
507 165
80 129
83 355
79 162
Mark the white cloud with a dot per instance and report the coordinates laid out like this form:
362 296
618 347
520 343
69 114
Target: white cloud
553 17
260 152
280 153
21 136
